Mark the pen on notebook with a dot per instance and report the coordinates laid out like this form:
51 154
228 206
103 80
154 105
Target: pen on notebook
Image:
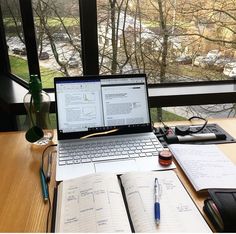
157 207
43 185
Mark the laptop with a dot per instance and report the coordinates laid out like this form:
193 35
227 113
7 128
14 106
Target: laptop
104 125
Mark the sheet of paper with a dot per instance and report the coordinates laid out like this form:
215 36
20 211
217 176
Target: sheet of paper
92 203
178 212
205 165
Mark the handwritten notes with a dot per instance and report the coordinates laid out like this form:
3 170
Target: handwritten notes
178 212
92 203
205 166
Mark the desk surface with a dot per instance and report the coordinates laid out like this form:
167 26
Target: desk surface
21 206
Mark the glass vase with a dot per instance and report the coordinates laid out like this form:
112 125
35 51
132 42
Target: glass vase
40 131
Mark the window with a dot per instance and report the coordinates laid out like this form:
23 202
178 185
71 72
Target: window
181 45
171 40
15 38
57 27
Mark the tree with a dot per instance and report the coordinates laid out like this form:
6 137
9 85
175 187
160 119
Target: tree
11 11
47 11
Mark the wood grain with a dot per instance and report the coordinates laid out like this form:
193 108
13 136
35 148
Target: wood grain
22 208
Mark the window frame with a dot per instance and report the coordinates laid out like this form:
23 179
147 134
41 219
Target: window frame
29 36
5 68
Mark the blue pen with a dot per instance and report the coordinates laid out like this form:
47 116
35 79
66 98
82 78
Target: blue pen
157 207
43 185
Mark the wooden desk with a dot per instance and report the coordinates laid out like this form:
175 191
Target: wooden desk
21 205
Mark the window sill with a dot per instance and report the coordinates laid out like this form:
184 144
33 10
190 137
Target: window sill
198 93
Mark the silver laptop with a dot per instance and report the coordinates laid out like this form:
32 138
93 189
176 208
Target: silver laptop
103 125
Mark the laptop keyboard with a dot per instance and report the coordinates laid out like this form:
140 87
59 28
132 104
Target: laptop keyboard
95 151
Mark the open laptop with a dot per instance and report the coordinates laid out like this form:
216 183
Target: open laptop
103 125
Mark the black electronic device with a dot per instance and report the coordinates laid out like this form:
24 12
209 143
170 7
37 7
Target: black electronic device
210 134
220 208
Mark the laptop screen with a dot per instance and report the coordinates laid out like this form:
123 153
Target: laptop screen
113 104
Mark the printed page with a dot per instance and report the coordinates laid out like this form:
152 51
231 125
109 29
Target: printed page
178 212
92 203
205 166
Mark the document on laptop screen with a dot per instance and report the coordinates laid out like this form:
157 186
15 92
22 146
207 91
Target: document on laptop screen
101 103
125 103
79 105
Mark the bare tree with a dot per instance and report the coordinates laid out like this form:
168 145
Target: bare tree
45 10
12 10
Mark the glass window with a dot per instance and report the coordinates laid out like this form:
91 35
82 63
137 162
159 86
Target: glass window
58 38
15 38
171 40
185 112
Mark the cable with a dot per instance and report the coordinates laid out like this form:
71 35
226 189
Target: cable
49 210
182 130
43 154
157 132
186 130
47 182
164 125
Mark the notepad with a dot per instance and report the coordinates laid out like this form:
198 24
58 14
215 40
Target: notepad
206 166
106 203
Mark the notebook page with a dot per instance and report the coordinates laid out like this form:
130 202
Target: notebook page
92 203
178 212
205 166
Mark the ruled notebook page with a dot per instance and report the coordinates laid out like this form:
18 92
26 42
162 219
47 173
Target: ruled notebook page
206 166
92 203
178 212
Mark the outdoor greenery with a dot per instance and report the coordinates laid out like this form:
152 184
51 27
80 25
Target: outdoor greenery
19 67
166 116
195 73
54 22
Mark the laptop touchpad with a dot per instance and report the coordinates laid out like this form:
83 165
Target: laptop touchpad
116 167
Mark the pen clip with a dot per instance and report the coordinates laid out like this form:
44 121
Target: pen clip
157 188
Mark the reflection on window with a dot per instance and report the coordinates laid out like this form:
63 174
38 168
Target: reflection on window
58 39
185 112
15 38
171 40
206 111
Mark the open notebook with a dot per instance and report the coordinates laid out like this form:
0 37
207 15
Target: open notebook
101 202
103 125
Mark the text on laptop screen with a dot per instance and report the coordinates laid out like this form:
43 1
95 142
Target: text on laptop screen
101 104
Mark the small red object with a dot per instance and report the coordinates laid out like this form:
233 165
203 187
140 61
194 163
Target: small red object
165 157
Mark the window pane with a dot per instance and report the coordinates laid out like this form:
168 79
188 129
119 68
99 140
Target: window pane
171 40
205 111
185 112
58 38
15 38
